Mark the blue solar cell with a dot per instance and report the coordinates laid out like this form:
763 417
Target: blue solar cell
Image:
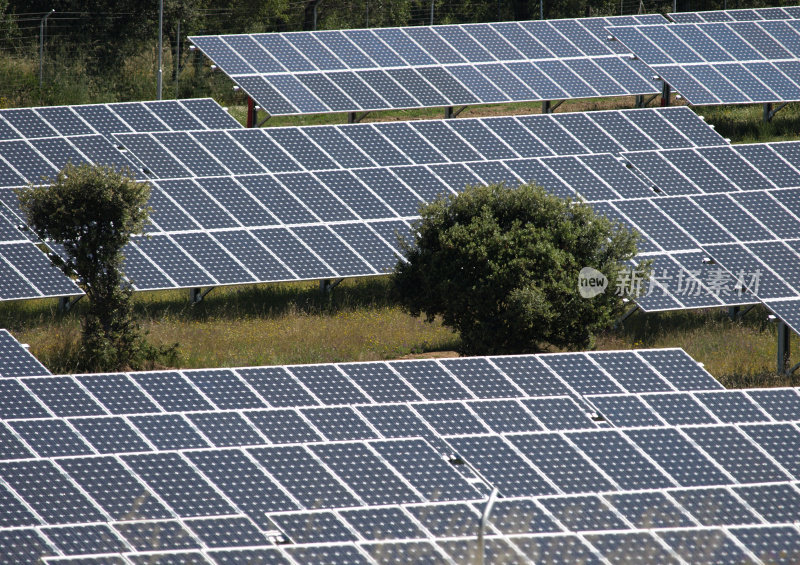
339 424
283 426
678 457
620 459
412 145
538 80
225 429
178 484
566 467
48 492
303 477
110 435
501 466
169 431
328 384
290 250
244 482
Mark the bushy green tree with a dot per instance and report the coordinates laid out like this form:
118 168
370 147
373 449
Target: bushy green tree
501 266
91 212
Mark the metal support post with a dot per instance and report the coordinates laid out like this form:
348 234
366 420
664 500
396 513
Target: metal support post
733 312
160 49
479 556
448 112
784 346
252 113
42 27
770 111
432 3
177 58
744 312
354 118
65 303
625 316
639 101
196 295
327 285
666 93
546 107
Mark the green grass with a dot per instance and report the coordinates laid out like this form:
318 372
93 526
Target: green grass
296 323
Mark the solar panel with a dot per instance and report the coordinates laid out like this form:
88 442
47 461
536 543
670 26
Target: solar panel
728 61
446 65
363 493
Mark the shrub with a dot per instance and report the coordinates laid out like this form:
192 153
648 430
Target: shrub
501 266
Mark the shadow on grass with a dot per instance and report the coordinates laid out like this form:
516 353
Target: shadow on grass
646 329
263 301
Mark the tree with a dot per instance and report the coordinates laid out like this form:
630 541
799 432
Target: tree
91 212
501 266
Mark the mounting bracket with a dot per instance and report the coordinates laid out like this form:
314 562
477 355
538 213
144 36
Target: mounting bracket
769 111
196 294
354 118
326 285
65 303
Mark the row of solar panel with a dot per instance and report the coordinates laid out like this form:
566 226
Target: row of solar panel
276 150
427 66
786 13
379 48
354 383
199 259
448 85
687 44
737 545
48 437
199 481
105 119
364 145
737 63
260 481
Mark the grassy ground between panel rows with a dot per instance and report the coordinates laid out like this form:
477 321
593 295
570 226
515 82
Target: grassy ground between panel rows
295 323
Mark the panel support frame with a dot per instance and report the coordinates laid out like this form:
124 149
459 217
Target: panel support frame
626 315
197 294
354 118
326 286
666 94
65 303
479 557
252 113
549 106
770 111
784 348
643 101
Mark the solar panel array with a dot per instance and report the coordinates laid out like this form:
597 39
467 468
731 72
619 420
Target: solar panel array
735 62
319 202
429 66
16 360
639 454
739 206
745 15
36 143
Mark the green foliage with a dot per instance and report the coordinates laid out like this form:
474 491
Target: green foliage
501 266
91 212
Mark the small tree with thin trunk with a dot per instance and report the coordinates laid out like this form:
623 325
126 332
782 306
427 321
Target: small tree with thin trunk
91 212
